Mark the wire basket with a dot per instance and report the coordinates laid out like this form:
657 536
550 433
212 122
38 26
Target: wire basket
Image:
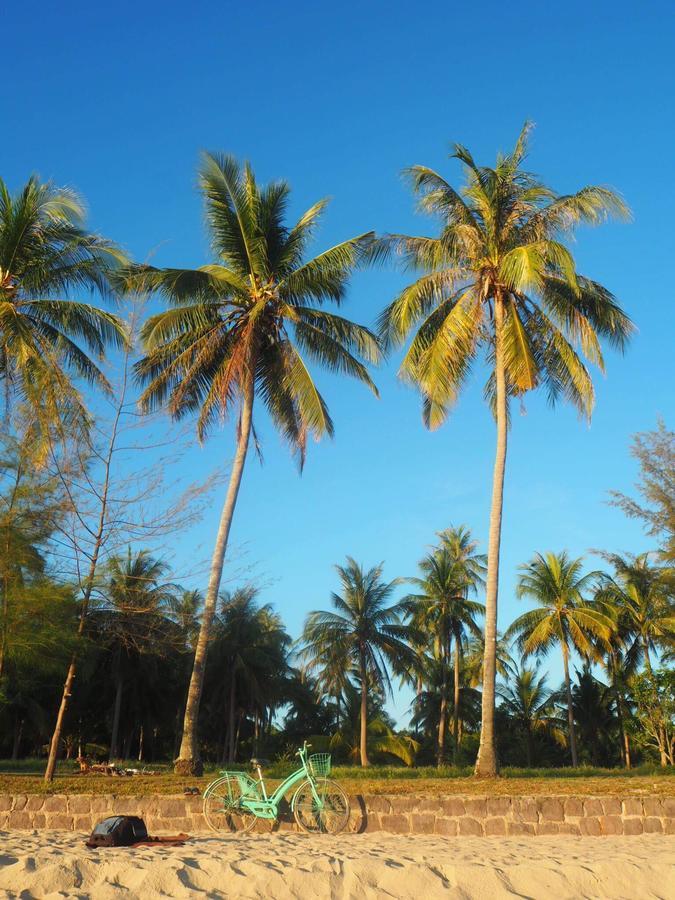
319 764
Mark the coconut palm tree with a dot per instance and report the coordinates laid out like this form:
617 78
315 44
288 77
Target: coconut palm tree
525 697
133 620
557 584
243 328
500 279
441 607
366 631
46 257
641 594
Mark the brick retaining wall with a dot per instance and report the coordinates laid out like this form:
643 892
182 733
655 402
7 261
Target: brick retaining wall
402 814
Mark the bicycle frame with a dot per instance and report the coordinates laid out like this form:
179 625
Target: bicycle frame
268 807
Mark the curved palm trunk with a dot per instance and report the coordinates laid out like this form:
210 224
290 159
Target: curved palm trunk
455 709
364 710
486 763
650 672
189 762
570 709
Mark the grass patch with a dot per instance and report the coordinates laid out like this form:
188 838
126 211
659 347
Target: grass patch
25 777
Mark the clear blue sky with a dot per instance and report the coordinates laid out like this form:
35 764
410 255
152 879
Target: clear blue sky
118 99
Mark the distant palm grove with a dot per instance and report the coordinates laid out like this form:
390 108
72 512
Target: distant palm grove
104 654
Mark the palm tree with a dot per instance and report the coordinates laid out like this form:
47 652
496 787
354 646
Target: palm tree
500 278
642 594
235 331
366 632
132 620
556 583
441 606
45 255
529 703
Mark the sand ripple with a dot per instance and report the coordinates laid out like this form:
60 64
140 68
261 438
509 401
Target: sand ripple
56 864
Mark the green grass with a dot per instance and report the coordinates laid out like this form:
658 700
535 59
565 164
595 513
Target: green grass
25 777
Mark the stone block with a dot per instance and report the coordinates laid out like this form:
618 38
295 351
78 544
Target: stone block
590 825
60 821
519 829
551 811
39 820
653 806
611 806
593 807
446 826
422 823
611 825
495 826
102 805
4 819
56 803
548 827
20 819
172 809
378 804
652 825
669 826
498 806
5 802
401 805
669 807
524 809
467 825
396 823
453 806
632 806
633 825
476 806
35 802
82 823
429 805
573 807
79 805
20 801
568 828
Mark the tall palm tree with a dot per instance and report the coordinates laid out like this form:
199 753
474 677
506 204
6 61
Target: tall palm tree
365 631
557 584
528 701
441 606
46 256
500 278
235 332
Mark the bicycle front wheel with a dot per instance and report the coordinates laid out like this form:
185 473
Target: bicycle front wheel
327 816
222 806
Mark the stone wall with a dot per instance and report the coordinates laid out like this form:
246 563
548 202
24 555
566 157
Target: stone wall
454 816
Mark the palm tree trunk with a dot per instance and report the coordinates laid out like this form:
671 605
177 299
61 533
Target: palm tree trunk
189 762
114 738
443 712
231 717
570 708
623 734
486 763
455 710
364 709
141 736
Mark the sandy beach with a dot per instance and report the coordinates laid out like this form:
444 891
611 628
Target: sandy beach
56 864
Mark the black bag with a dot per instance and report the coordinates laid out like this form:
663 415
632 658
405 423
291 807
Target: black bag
118 831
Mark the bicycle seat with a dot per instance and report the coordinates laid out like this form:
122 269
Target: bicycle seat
260 762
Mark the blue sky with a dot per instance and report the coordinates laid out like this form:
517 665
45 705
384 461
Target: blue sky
117 101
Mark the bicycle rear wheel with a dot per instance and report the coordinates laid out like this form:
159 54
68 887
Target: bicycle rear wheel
222 806
330 816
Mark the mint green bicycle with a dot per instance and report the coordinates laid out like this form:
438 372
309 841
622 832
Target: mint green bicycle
235 801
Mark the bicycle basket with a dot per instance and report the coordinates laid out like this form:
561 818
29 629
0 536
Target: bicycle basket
319 764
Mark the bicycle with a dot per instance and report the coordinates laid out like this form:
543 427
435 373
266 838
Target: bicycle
234 802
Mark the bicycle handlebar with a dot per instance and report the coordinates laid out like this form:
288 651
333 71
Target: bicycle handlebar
304 748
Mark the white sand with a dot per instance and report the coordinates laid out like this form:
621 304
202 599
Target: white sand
56 864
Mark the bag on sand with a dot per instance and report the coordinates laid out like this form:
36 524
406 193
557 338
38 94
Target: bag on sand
128 831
